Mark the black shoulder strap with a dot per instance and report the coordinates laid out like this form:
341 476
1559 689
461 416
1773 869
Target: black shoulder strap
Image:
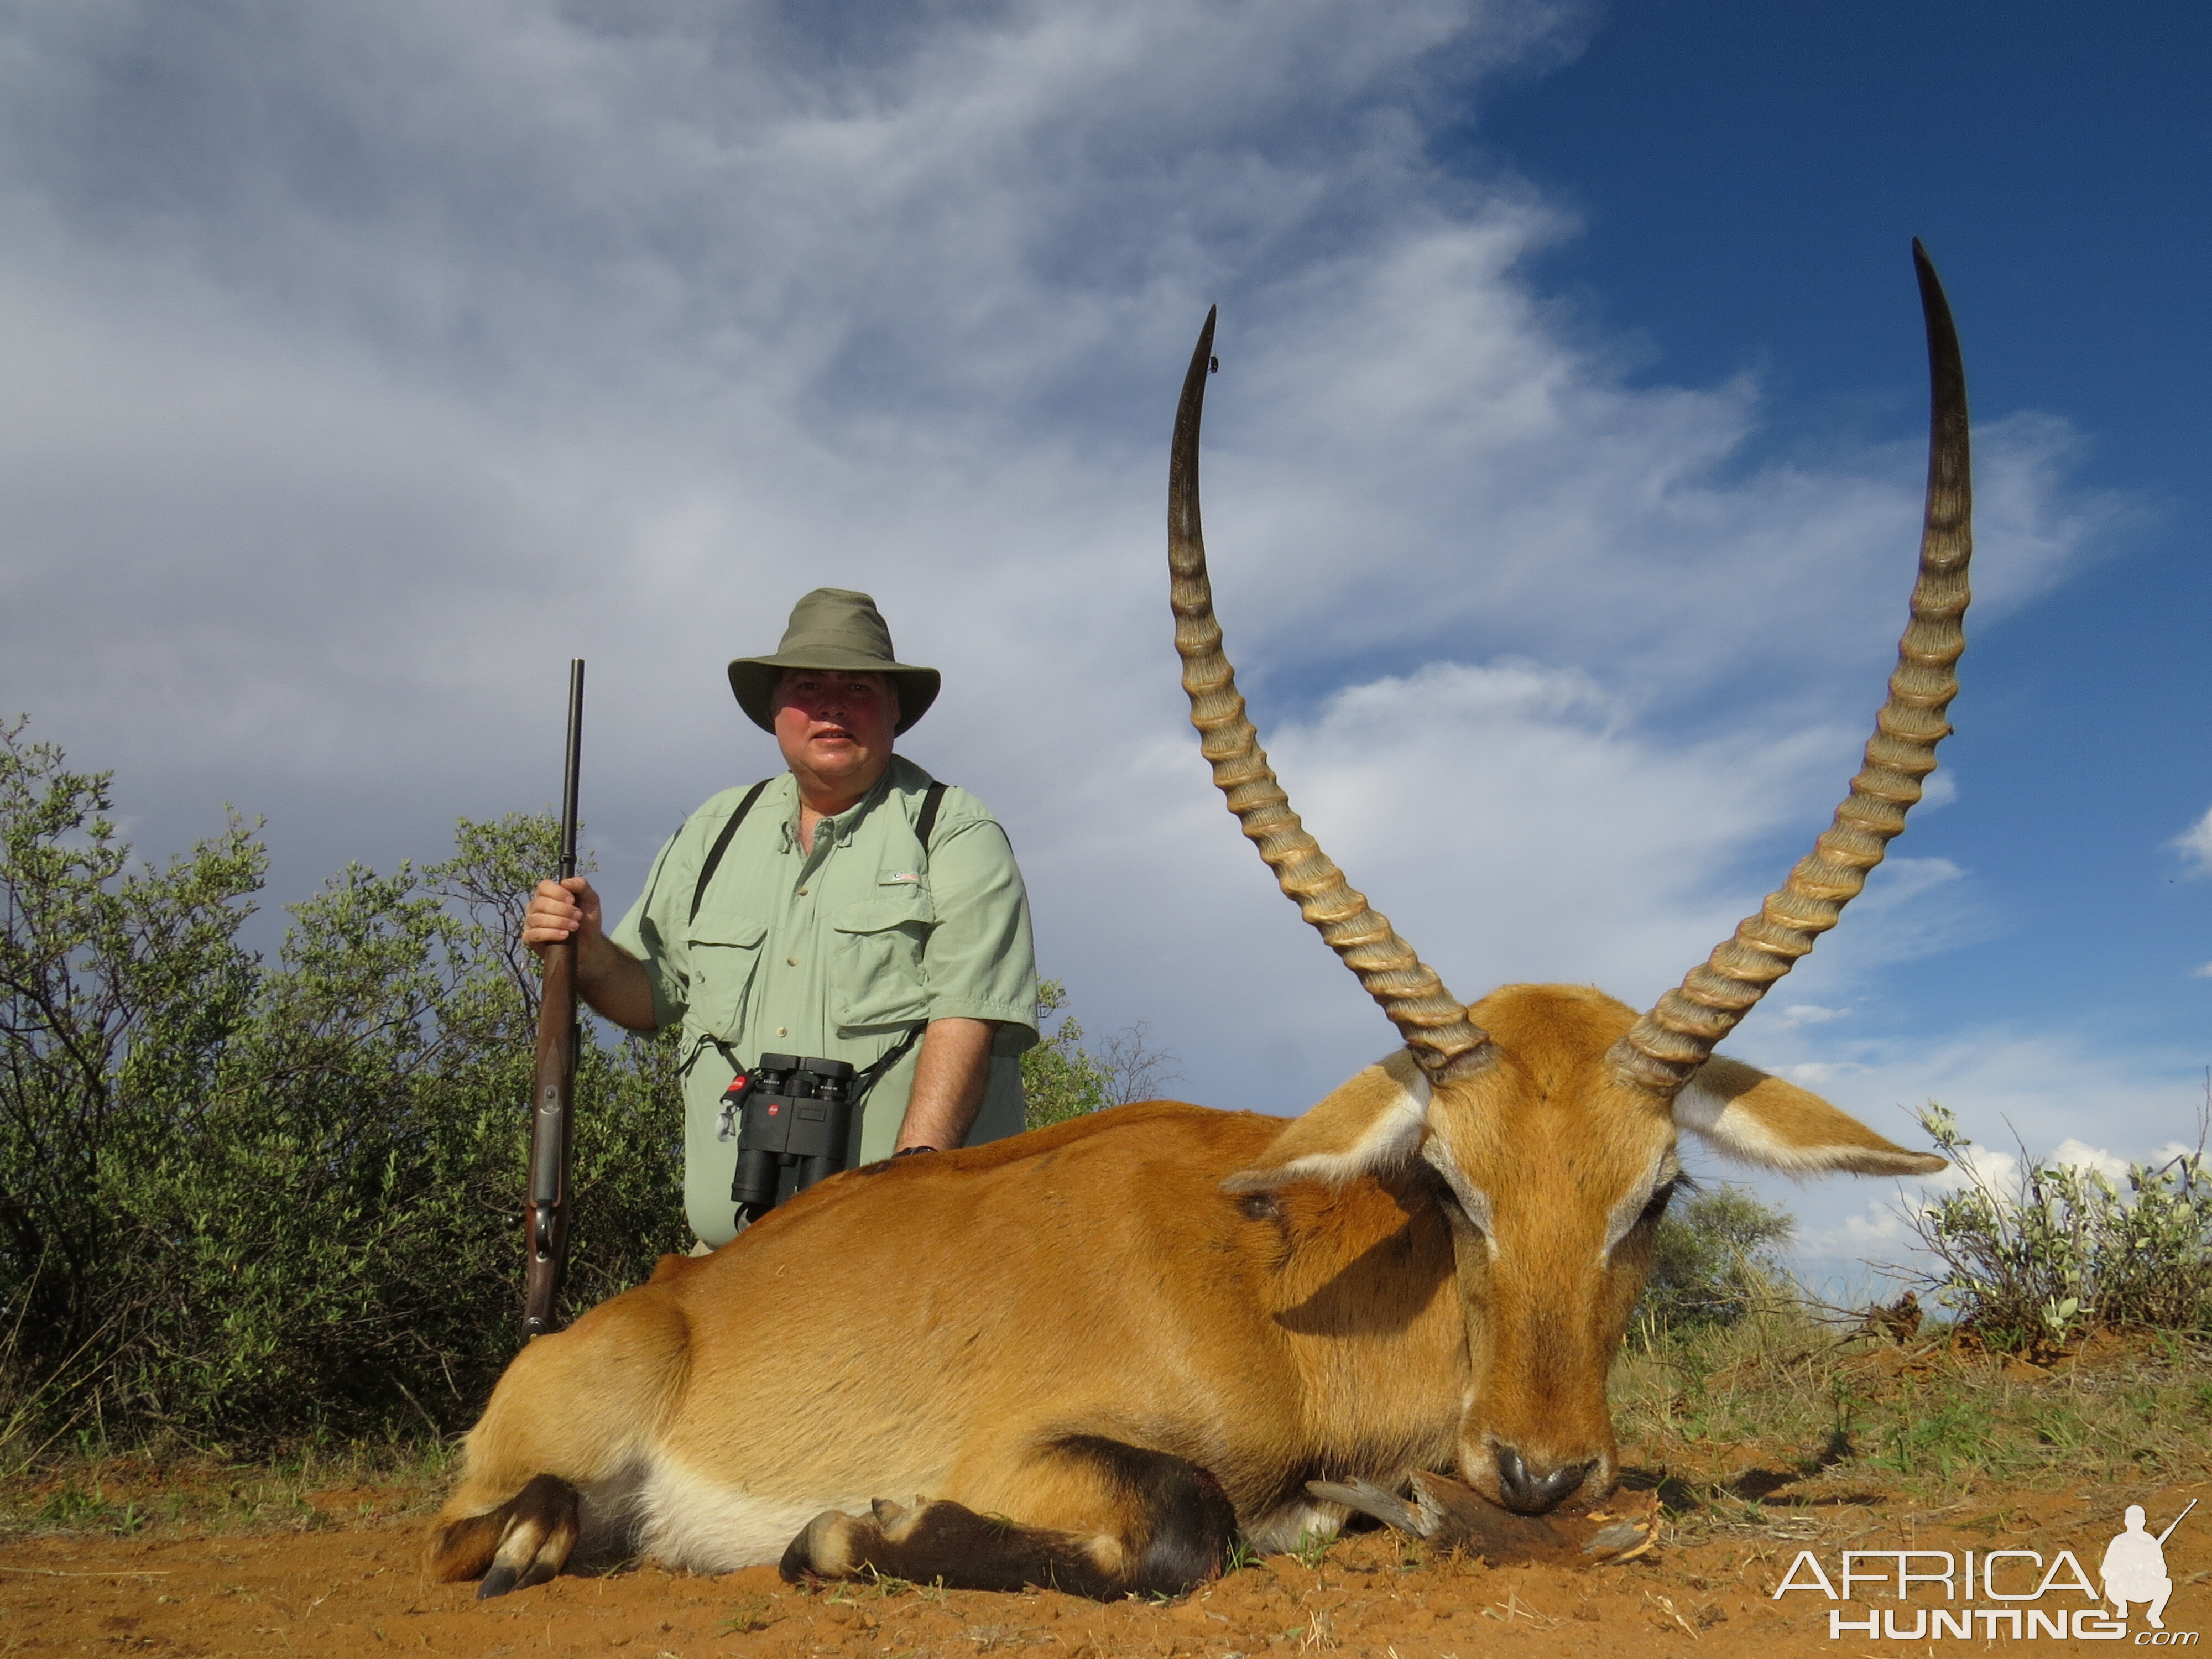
891 1057
722 844
926 820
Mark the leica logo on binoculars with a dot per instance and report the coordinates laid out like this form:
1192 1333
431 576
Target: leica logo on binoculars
2132 1572
785 1113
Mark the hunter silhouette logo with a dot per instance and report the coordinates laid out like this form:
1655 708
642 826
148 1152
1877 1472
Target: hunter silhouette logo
2133 1571
2133 1568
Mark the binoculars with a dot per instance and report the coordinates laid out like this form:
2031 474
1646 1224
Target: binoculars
786 1110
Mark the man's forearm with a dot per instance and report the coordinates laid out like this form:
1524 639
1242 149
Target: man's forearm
614 983
949 1080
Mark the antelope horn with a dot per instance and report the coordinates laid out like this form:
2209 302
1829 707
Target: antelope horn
1672 1041
1444 1042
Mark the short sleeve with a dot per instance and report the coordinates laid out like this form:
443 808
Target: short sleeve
654 933
980 961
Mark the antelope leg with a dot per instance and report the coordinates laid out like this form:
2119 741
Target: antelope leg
1369 1499
1447 1513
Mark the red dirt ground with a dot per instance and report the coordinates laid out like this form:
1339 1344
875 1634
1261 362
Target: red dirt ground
353 1587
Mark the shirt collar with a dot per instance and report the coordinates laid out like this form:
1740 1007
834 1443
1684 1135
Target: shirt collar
830 831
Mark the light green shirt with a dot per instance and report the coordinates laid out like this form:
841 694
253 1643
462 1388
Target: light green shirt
836 954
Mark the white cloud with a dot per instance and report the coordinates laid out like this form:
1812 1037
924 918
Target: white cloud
363 376
1814 1074
1793 1014
2080 1155
2059 1094
1876 1232
2196 845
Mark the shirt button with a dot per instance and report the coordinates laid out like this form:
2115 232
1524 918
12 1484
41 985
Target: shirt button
791 961
802 892
780 1031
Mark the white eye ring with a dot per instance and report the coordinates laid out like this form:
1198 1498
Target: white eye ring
1472 1199
1637 1203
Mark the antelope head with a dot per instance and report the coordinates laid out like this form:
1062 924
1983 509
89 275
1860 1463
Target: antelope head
1548 1116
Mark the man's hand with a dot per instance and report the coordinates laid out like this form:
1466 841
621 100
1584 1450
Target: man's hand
612 979
949 1077
560 910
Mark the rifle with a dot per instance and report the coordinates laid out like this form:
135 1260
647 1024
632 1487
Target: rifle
552 1091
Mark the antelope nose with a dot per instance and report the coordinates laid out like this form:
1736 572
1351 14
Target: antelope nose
1526 1492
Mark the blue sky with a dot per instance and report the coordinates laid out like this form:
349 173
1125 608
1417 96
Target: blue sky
1740 171
1563 473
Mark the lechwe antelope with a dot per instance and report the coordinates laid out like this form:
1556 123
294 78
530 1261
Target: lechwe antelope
1093 1355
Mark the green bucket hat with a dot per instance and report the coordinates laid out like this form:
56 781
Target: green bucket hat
833 628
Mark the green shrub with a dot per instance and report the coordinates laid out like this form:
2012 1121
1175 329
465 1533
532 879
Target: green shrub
2063 1247
1061 1079
1714 1260
252 1202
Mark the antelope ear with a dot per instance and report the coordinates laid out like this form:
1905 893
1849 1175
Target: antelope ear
1740 1110
1373 1122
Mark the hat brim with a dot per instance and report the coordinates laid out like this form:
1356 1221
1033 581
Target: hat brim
754 678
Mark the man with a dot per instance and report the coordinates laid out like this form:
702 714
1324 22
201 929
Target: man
825 927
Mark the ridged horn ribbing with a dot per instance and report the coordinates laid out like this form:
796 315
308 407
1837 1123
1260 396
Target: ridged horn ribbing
1443 1040
1671 1042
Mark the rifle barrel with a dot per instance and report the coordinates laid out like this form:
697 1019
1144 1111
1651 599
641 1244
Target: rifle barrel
552 1093
575 757
2178 1520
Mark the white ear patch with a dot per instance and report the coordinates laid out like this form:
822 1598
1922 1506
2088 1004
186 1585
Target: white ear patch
1744 1113
1732 1130
1375 1122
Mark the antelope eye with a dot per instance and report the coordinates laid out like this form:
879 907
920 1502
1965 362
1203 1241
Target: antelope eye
1655 1205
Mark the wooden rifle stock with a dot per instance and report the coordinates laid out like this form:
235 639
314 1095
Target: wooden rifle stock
552 1090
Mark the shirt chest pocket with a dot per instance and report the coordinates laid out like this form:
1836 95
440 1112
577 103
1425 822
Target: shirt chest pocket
876 964
725 957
